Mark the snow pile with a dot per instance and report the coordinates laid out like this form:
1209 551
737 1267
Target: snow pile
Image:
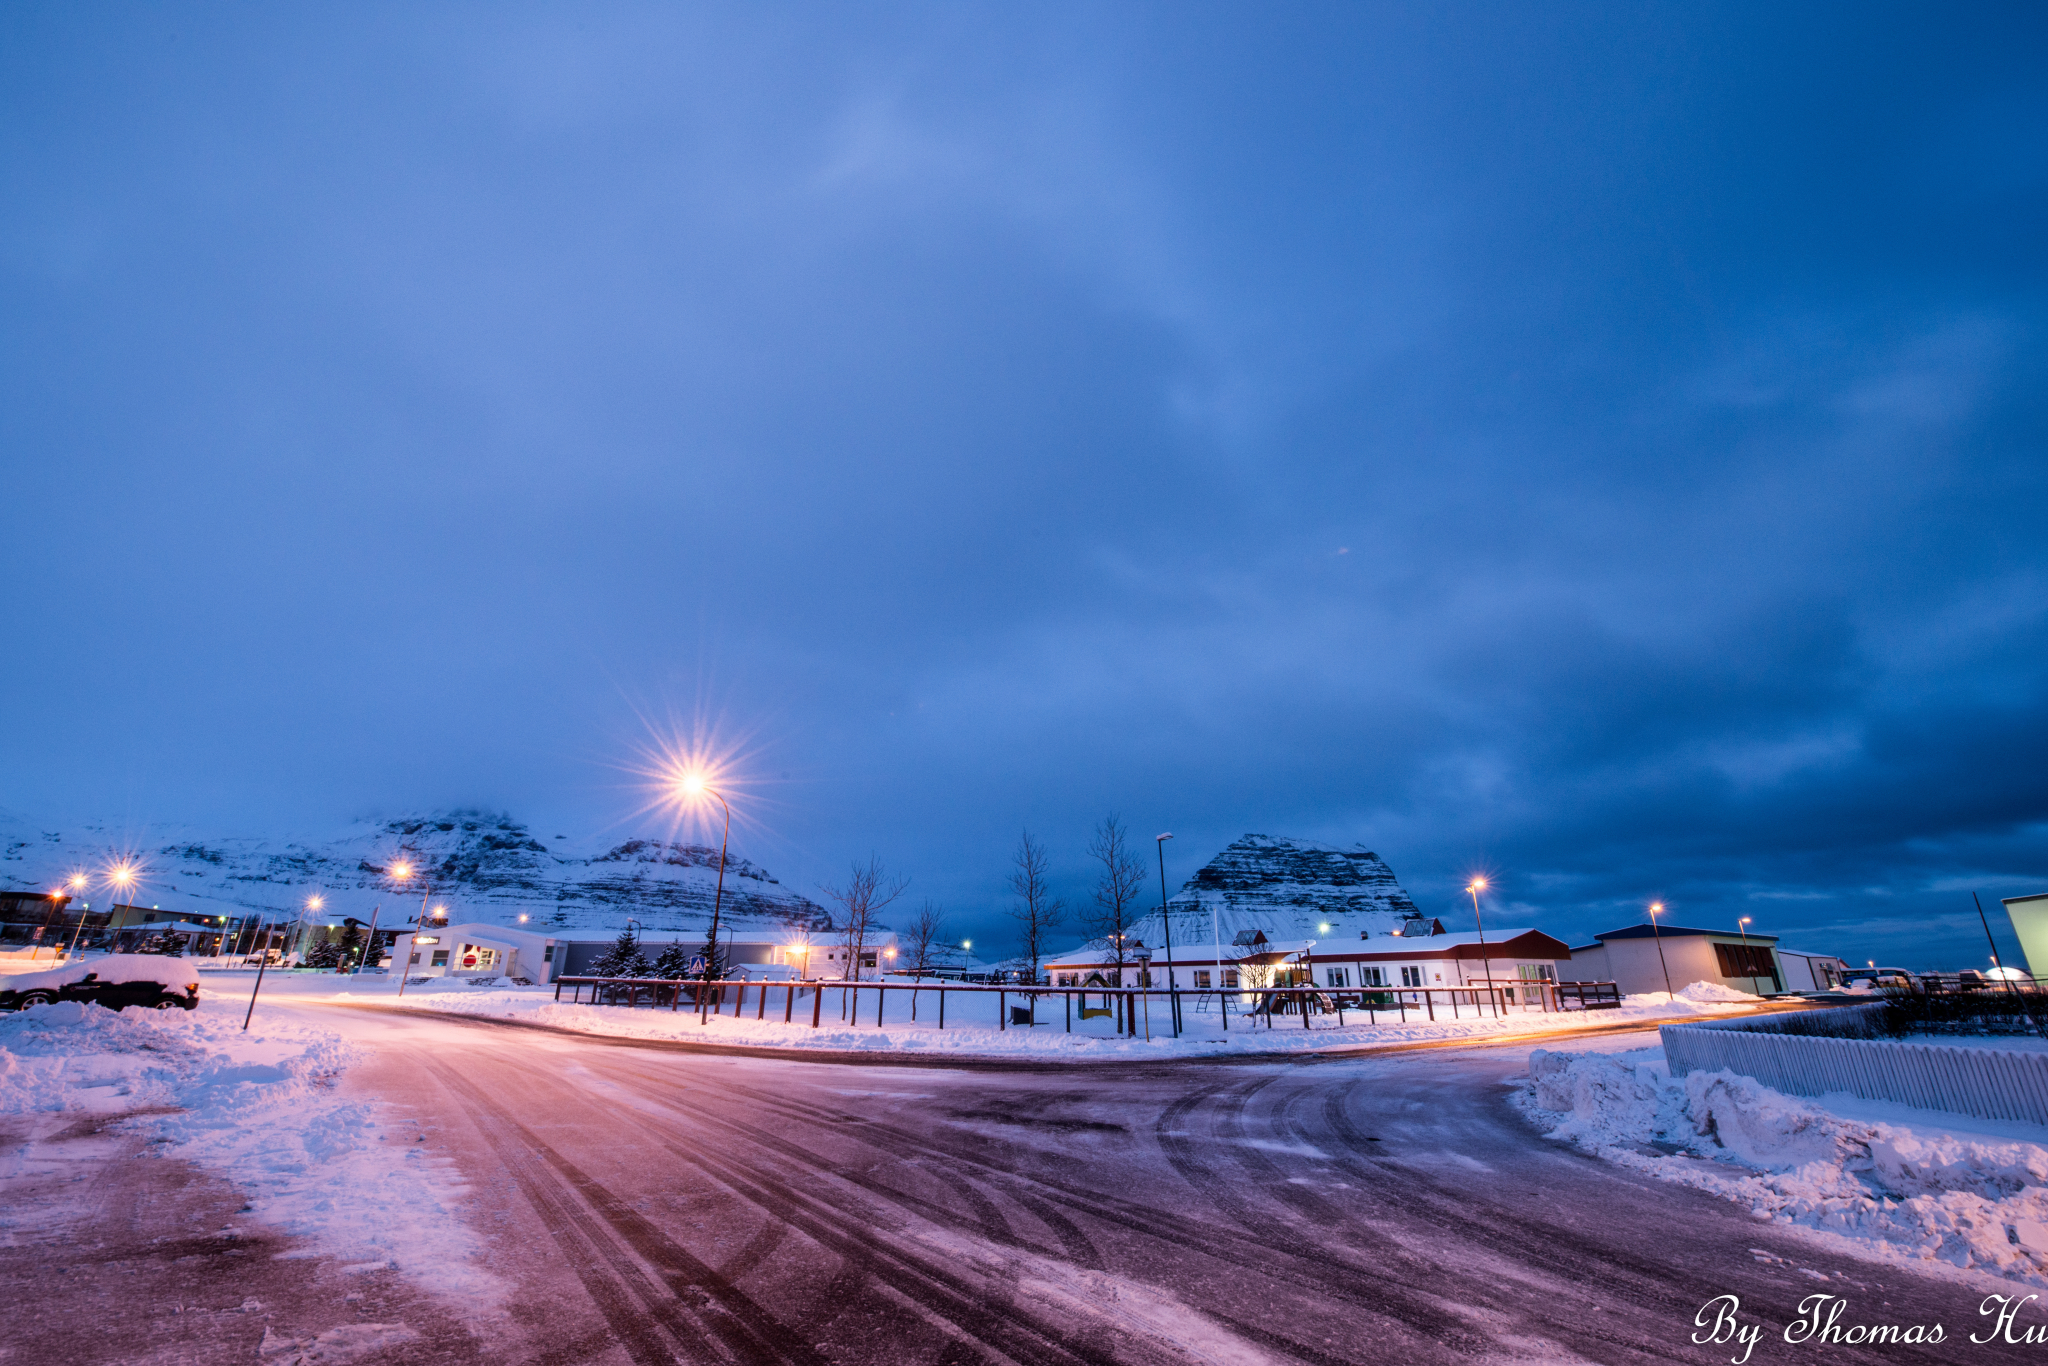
1894 1190
1691 998
259 1109
1701 993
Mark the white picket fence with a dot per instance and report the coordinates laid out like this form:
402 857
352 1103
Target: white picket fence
1988 1083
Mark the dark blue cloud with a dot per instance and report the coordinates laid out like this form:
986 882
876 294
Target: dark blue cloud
1604 446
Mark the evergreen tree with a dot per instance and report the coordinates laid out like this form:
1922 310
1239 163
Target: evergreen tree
325 954
351 945
674 963
714 961
617 961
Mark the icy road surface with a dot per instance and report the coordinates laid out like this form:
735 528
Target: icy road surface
647 1205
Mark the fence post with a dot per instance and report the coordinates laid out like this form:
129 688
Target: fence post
942 1007
1002 1016
817 1003
881 997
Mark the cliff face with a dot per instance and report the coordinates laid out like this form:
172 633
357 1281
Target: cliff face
1261 873
483 865
1289 890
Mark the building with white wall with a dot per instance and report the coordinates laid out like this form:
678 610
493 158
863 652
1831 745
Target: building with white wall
1639 957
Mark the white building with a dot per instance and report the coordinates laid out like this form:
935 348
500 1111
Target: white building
1507 958
476 950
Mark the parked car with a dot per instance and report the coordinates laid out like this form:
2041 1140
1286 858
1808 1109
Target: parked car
1879 979
117 981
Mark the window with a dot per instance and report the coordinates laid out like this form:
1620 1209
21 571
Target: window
867 960
1229 977
1068 979
1411 977
440 959
415 958
476 956
1338 977
547 955
1534 972
1202 979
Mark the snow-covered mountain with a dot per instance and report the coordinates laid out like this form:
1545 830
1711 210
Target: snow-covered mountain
483 865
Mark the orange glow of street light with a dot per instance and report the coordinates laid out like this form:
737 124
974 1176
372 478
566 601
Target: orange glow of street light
401 870
315 902
1656 907
1478 885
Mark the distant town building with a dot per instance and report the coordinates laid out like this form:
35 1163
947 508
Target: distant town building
1630 958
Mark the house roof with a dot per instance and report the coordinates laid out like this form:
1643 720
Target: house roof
1683 932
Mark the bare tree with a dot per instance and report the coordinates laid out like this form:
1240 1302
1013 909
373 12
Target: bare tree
868 890
1037 912
927 929
1116 889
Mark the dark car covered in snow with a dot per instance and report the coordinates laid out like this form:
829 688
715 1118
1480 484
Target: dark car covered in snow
117 981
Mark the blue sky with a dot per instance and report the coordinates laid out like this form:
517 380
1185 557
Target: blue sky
1598 445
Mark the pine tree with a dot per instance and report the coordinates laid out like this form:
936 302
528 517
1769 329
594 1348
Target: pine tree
325 954
637 965
351 943
674 963
714 961
617 961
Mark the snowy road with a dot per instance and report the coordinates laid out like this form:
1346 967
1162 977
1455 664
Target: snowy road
645 1205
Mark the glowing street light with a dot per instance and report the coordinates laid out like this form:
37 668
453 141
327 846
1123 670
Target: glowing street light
1741 929
693 786
1475 887
1657 909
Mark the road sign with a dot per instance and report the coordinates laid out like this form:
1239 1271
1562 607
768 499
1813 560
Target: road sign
697 963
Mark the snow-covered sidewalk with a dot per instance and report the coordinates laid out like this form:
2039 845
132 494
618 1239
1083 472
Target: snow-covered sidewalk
1894 1183
971 1021
259 1109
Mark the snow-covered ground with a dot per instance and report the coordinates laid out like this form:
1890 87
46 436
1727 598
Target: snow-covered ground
260 1109
1894 1183
971 1019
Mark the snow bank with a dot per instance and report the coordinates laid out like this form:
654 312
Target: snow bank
260 1110
176 973
1898 1192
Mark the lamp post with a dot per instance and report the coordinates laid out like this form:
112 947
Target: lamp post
1744 932
1172 987
1657 909
77 883
693 784
1475 887
313 903
401 872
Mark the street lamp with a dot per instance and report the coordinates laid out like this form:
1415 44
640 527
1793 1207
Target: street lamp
1657 909
693 785
121 880
401 872
1745 944
1172 994
1475 887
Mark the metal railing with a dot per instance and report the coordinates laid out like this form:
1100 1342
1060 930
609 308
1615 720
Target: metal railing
1128 1008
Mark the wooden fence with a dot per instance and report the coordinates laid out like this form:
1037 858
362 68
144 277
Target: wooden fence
1130 1009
